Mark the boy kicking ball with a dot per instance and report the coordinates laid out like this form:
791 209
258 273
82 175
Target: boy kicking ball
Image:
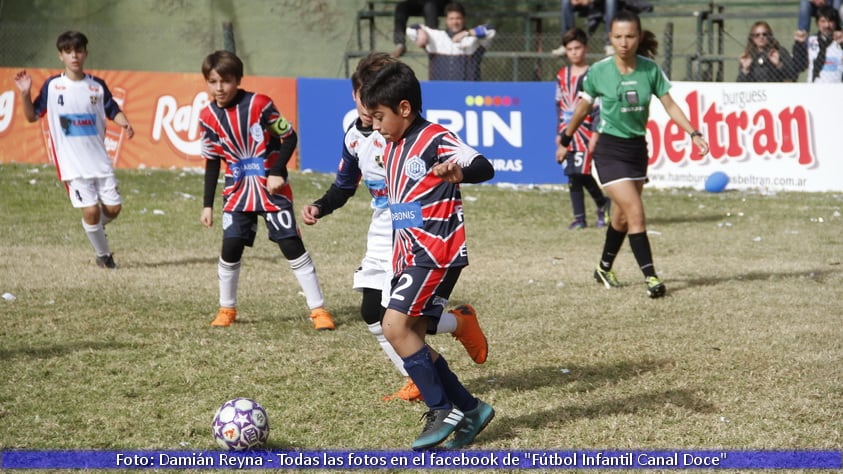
424 165
362 160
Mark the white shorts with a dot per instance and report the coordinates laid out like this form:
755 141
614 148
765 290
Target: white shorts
376 275
87 192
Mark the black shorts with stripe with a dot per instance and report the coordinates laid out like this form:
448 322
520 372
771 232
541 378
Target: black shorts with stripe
620 159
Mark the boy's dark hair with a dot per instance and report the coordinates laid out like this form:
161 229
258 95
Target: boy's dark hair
368 67
575 34
226 63
830 14
72 41
455 7
392 84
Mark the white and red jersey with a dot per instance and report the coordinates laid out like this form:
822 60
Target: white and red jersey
76 113
427 214
238 134
362 158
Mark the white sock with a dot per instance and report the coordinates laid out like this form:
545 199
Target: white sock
305 273
96 234
229 275
377 330
447 323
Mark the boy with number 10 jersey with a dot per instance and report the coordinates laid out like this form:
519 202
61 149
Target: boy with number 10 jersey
246 131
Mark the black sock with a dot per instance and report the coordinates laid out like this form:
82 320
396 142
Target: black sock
454 389
611 247
420 368
640 244
578 205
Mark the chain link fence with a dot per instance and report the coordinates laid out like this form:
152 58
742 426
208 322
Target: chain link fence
698 41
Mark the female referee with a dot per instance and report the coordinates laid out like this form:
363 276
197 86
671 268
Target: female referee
625 83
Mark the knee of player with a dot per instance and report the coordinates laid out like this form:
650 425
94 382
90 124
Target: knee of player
395 325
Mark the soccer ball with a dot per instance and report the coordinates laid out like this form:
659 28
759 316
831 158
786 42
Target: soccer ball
240 424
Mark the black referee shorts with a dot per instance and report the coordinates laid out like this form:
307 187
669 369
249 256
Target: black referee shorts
620 159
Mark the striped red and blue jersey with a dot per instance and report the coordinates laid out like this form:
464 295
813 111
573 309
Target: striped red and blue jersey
427 212
568 86
238 134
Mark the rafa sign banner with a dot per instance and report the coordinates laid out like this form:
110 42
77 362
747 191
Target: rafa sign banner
162 107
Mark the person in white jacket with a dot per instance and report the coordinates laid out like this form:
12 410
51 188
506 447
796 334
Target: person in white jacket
455 53
821 54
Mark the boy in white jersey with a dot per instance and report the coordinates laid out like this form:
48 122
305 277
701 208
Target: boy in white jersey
362 158
76 105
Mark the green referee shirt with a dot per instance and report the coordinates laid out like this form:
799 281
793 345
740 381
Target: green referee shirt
624 99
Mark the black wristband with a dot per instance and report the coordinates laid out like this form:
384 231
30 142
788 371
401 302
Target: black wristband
696 133
565 140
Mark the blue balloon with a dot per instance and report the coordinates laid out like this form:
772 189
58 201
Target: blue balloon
716 182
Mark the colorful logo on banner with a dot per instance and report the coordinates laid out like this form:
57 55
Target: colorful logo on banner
511 124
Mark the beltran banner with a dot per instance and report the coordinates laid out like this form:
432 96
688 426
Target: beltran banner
512 124
765 136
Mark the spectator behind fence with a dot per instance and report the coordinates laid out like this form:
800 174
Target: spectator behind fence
764 59
454 53
821 54
809 8
596 11
431 10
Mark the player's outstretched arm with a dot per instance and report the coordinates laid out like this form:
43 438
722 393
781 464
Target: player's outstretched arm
679 117
123 121
478 171
24 83
449 171
310 214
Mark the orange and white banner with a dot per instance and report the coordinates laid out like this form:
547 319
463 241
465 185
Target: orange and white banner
162 107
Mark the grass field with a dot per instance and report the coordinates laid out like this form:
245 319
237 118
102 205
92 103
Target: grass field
744 352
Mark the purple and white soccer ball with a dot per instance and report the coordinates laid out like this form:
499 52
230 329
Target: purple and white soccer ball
240 424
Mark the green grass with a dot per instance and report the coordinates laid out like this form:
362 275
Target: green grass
743 353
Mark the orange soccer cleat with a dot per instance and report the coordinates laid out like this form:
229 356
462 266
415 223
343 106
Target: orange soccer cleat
469 333
322 320
409 392
225 317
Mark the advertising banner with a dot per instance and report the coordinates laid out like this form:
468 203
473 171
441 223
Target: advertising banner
513 124
762 136
779 137
162 107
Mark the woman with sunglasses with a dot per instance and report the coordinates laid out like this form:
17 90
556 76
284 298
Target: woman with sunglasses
764 59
